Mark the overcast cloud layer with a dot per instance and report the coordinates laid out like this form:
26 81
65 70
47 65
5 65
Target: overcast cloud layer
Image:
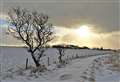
102 13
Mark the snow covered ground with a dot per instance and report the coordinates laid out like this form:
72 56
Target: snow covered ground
108 72
102 69
13 58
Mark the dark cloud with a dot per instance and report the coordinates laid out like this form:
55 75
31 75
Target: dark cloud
102 13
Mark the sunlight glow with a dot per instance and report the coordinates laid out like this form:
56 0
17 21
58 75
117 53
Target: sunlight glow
84 31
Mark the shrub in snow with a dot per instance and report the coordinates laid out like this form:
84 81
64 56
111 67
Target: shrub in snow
61 53
41 68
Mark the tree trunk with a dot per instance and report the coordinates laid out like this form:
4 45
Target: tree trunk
35 61
60 59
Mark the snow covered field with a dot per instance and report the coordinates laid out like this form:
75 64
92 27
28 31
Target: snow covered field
14 59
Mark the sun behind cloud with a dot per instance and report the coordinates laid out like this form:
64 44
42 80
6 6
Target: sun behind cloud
83 31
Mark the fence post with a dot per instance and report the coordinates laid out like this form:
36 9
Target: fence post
48 61
26 67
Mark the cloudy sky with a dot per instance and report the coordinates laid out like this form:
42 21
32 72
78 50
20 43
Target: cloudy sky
101 16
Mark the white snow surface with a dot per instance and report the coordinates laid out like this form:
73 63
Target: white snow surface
72 72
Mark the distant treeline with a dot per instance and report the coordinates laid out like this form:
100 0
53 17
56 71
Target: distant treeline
69 47
77 47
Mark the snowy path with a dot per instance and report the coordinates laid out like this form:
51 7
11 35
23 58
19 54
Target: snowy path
73 71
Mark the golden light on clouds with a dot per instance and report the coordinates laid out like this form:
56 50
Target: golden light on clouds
86 35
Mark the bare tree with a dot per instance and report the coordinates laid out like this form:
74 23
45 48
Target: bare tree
33 29
61 52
